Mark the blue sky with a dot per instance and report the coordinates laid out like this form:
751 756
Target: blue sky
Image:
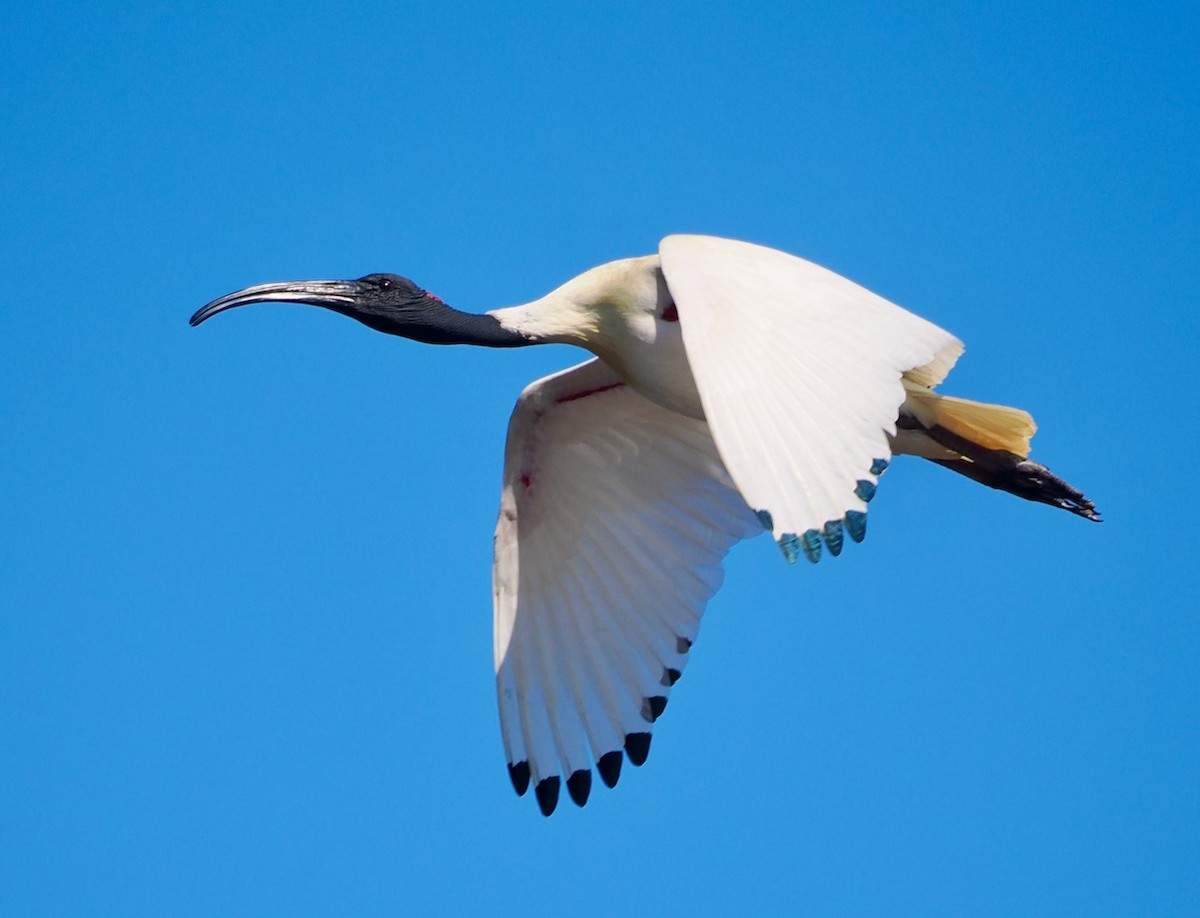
245 638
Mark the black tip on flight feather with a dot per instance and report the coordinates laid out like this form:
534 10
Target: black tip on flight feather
609 767
653 707
579 785
637 747
519 775
547 794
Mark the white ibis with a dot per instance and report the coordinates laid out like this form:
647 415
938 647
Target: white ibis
734 389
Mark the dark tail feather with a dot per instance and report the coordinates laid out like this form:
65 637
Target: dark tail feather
1005 471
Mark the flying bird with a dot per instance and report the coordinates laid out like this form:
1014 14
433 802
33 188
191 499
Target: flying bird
734 389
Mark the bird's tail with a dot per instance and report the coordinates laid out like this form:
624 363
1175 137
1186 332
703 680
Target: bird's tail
987 443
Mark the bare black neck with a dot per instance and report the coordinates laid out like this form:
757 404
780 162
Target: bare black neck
437 323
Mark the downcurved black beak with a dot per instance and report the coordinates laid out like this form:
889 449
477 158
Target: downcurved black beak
331 294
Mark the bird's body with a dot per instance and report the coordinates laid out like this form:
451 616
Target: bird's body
734 389
624 314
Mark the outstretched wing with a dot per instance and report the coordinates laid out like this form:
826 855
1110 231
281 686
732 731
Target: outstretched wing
614 519
799 372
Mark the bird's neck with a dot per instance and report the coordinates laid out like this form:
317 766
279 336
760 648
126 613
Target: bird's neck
447 325
554 319
600 306
455 327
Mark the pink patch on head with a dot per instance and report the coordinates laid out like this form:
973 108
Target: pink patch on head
670 314
434 296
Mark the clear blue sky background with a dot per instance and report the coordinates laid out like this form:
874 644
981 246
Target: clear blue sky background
245 644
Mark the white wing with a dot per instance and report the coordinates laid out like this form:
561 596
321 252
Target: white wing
614 519
799 372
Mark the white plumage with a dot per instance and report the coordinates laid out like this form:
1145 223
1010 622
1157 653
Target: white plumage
614 518
735 388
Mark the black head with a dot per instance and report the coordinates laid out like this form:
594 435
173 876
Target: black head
386 302
391 303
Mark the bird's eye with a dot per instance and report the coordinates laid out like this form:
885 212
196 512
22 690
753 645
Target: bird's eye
385 283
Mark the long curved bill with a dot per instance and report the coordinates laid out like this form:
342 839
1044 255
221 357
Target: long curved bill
328 293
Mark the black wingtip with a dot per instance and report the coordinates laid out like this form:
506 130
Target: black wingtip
519 775
609 766
637 747
670 677
653 707
547 794
579 785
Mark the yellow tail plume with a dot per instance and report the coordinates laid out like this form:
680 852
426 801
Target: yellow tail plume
989 426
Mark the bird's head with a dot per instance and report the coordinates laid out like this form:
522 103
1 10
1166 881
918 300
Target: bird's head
385 302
